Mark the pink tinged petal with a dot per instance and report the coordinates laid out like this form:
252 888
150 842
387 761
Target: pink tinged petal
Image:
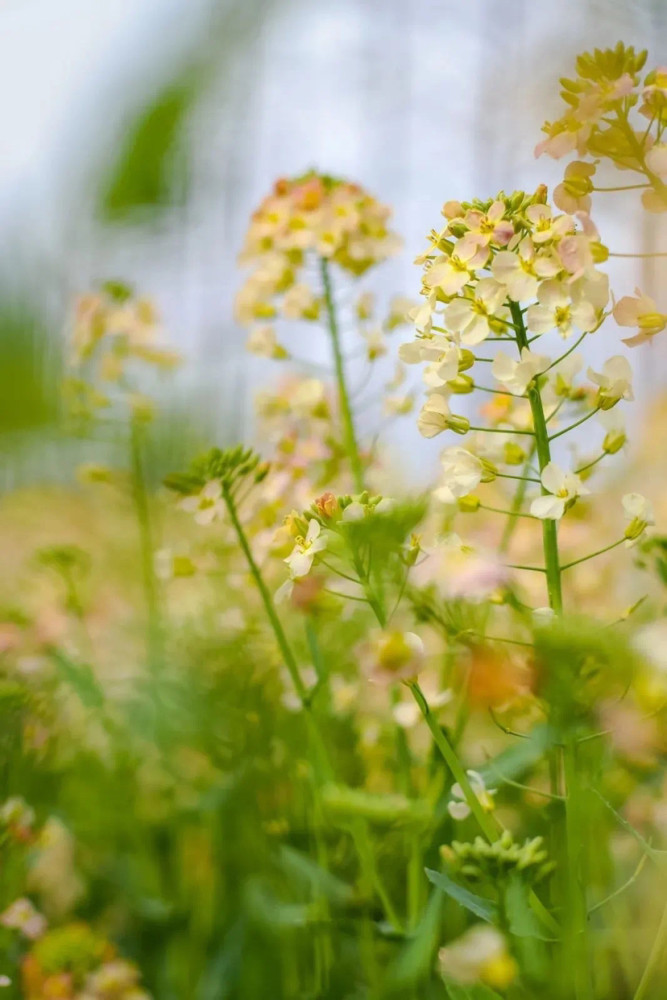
626 311
656 159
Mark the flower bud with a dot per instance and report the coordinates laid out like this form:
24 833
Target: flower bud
614 441
461 385
635 529
513 454
327 505
458 424
468 504
489 472
466 359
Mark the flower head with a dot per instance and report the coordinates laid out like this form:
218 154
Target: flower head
614 381
480 955
459 809
639 515
207 505
641 311
305 549
517 375
563 489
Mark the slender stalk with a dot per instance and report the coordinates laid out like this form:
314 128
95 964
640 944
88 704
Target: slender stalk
146 543
517 503
576 927
267 600
566 430
346 416
592 555
321 758
654 959
549 527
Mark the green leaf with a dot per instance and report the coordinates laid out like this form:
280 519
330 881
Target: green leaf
485 909
80 678
415 959
150 169
522 920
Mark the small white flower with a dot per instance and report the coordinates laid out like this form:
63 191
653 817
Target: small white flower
451 273
516 375
462 472
263 342
435 415
520 270
639 515
300 560
563 487
459 808
641 311
207 505
445 368
471 315
614 381
480 955
555 310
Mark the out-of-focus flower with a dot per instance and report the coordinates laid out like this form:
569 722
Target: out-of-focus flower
461 473
480 955
516 376
207 505
392 656
263 342
614 381
563 487
301 558
436 417
641 311
21 915
574 192
639 515
459 809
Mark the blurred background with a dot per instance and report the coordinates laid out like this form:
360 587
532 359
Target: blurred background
138 137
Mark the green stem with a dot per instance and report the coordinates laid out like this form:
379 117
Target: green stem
566 430
576 926
321 757
146 542
347 419
592 555
485 821
654 959
549 527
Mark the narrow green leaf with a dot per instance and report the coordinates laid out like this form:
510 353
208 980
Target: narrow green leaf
482 908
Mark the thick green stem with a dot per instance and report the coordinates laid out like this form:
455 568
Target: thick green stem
347 419
549 527
576 929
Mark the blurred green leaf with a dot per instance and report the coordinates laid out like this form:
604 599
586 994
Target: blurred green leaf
482 908
150 169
